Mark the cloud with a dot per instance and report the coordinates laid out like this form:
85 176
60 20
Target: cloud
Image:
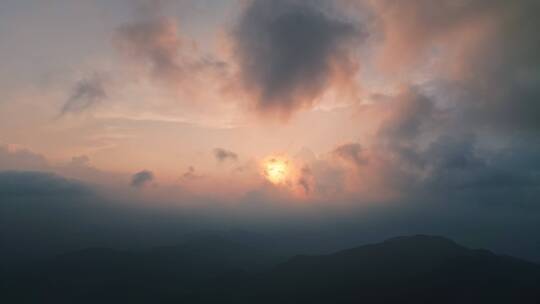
37 184
80 161
140 179
351 152
484 51
410 29
190 174
42 212
459 165
223 155
461 131
423 148
86 94
321 178
153 40
156 41
410 111
290 51
14 158
306 179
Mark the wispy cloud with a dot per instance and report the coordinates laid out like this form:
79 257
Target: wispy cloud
86 93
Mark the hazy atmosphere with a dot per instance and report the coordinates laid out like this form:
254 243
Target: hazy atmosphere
311 126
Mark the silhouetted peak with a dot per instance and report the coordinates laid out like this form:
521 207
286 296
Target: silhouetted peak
411 246
425 241
406 253
420 238
408 269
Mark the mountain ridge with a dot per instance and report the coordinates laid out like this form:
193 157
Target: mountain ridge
407 269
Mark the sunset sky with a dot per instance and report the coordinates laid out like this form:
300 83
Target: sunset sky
401 116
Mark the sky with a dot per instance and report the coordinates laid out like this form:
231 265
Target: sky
349 119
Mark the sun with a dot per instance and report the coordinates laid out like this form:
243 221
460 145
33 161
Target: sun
276 170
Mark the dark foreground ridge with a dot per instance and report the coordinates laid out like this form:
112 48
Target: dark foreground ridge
415 269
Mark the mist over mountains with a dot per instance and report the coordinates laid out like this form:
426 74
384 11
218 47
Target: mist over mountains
211 268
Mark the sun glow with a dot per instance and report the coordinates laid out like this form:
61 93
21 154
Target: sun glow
276 170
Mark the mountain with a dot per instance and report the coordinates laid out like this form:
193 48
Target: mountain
102 275
415 269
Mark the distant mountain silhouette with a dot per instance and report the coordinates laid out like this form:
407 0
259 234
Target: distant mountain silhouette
416 269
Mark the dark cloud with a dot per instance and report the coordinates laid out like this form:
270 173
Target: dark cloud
222 155
288 51
43 214
38 184
425 148
140 179
351 152
87 93
40 211
458 165
410 112
466 129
